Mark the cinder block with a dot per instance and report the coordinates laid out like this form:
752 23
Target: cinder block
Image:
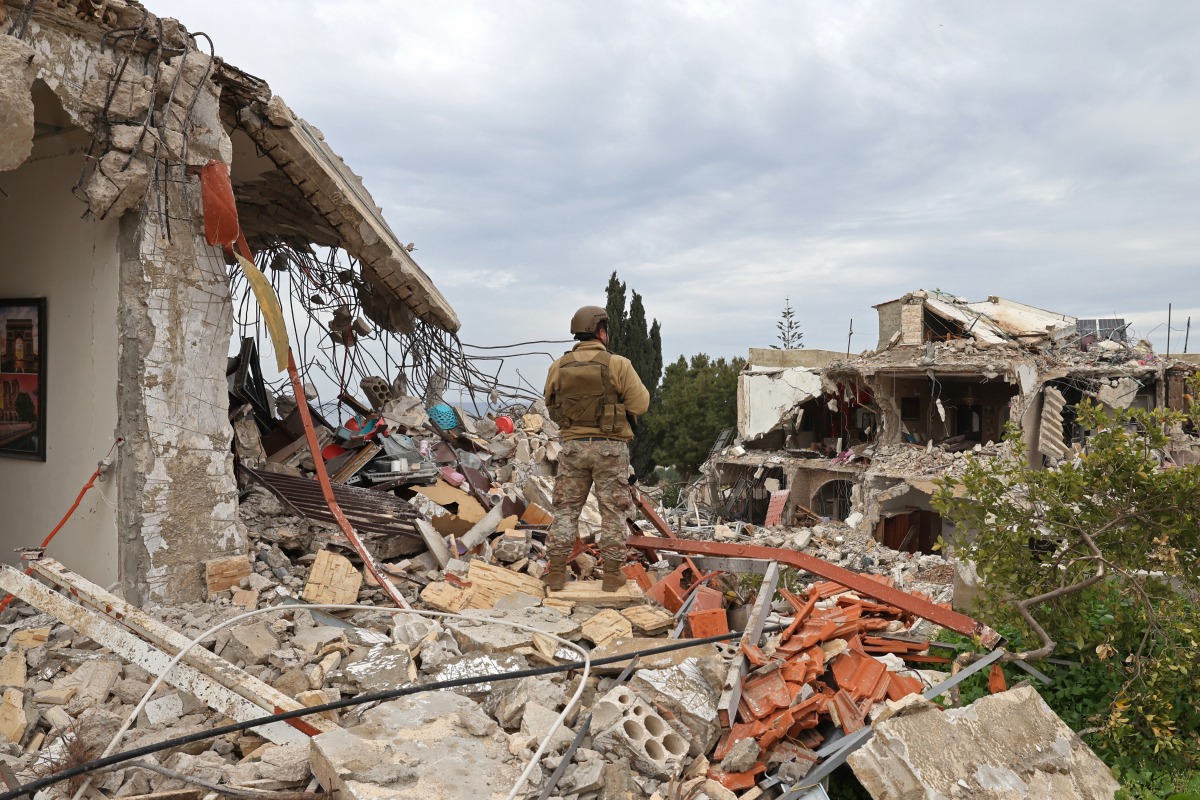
629 726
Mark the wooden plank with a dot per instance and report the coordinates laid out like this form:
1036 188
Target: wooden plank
590 593
731 693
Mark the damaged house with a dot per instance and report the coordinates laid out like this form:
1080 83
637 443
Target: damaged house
861 439
117 129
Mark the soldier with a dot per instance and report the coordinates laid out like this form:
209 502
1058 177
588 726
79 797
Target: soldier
594 396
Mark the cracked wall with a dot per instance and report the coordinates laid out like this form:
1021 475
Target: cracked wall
152 109
179 496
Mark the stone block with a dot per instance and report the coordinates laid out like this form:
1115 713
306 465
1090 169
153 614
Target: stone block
250 644
536 722
332 579
628 726
1009 745
225 573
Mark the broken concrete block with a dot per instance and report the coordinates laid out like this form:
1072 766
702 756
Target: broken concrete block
414 748
475 635
18 68
13 719
29 638
56 695
510 702
606 626
626 725
95 680
118 184
385 667
292 682
12 667
649 620
311 640
332 579
690 691
164 710
250 644
1007 745
742 756
536 722
286 763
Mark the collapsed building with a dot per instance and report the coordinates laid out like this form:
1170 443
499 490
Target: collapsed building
115 127
247 649
860 439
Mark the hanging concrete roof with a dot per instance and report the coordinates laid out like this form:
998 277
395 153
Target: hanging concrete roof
325 198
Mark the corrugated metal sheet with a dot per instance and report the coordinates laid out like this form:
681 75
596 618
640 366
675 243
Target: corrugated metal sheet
1050 433
370 512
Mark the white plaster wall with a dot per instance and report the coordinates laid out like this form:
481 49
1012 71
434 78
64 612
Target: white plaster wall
46 250
765 397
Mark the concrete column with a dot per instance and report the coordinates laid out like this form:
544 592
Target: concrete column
178 493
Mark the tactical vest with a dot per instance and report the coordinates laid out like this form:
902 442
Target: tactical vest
585 397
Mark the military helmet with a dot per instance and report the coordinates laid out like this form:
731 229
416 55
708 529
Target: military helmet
588 319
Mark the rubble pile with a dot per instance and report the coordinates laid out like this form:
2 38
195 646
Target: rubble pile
462 533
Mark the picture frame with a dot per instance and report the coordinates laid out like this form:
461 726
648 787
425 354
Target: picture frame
23 378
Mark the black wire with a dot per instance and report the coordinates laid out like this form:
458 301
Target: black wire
212 733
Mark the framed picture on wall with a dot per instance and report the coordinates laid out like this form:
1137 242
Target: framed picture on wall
23 378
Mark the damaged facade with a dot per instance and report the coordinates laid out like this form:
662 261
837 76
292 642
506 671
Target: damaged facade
860 439
133 165
108 116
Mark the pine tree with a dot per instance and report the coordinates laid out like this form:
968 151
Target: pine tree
789 330
628 336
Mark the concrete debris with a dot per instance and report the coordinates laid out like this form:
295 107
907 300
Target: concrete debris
1007 745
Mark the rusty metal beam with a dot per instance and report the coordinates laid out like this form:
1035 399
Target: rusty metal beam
947 618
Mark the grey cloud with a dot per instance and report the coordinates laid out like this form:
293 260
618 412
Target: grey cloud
720 156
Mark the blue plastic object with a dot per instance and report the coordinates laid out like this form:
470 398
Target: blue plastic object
444 416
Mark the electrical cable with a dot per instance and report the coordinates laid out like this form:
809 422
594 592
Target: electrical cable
78 499
117 758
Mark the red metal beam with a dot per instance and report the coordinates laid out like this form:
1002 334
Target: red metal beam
860 583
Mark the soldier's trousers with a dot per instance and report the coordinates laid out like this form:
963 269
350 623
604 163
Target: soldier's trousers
582 464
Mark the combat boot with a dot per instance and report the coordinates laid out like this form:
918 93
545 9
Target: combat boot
555 576
614 579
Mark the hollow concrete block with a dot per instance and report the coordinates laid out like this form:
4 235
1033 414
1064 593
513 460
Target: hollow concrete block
627 725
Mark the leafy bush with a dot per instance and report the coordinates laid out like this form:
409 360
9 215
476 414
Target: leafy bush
1095 561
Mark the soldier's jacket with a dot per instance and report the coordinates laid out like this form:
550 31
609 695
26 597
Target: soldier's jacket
631 393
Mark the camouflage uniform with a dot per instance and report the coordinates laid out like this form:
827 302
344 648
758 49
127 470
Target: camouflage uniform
582 463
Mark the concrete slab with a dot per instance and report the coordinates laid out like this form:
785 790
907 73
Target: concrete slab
1009 745
415 748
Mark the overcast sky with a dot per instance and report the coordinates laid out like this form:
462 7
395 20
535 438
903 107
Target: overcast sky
721 156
